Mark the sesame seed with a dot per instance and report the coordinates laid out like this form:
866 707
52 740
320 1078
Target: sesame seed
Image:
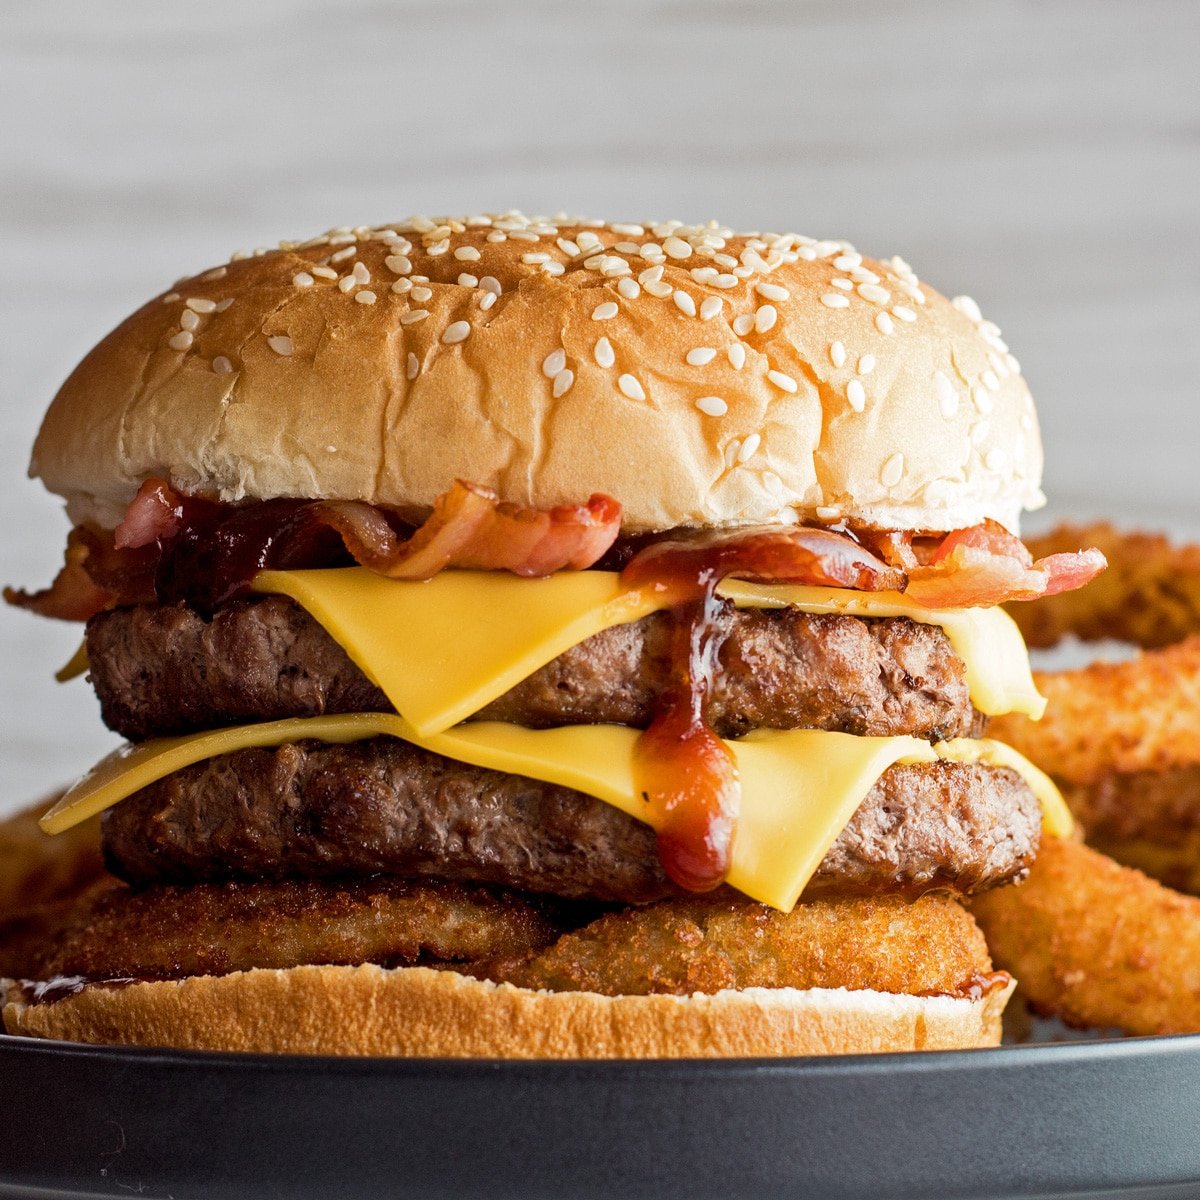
324 272
366 296
874 293
862 275
486 300
837 354
554 362
995 459
903 312
497 236
605 311
490 283
677 248
772 291
658 288
562 383
421 294
302 279
847 262
968 308
361 273
401 264
411 318
467 254
982 398
764 318
281 344
947 395
611 266
749 446
456 331
631 388
1013 364
412 367
724 281
884 323
189 320
712 406
342 255
731 451
835 300
826 512
568 247
856 394
629 288
912 292
710 307
782 381
650 275
685 303
224 304
845 285
704 274
170 298
743 324
603 353
893 471
222 366
200 305
402 287
534 259
736 355
979 432
701 356
866 364
346 283
469 281
991 382
438 248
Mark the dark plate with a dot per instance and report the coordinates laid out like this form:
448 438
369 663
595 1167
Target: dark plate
1117 1118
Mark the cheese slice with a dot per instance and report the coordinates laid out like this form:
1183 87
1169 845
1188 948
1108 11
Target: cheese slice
799 787
443 649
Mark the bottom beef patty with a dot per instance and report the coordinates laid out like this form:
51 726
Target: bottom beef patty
310 809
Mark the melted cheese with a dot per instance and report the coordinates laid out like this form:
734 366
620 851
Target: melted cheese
443 649
799 787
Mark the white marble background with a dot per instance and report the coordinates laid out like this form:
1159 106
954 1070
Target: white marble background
1040 155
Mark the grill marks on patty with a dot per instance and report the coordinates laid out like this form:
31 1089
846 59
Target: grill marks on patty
383 805
166 670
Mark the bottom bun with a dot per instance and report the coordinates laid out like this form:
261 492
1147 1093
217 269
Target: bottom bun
418 1012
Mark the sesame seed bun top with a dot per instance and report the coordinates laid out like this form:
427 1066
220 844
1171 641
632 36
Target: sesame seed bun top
699 376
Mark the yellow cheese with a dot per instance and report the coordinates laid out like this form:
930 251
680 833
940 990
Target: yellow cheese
799 787
75 666
443 649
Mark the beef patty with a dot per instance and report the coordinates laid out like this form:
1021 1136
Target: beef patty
384 805
166 670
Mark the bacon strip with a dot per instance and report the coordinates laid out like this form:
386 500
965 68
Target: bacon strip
155 515
73 596
470 528
986 565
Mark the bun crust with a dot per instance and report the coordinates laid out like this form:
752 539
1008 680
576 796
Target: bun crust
838 387
419 1012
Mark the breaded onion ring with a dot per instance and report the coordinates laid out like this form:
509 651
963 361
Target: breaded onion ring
1097 944
1140 715
1149 596
681 947
36 870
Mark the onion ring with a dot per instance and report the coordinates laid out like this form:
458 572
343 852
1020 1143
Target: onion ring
1097 944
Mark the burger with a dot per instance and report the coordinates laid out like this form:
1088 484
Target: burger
544 638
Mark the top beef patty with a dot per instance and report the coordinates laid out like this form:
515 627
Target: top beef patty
166 669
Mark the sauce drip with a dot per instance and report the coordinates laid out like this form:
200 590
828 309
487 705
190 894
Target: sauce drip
685 773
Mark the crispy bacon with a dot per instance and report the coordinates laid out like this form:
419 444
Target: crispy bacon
470 528
796 554
155 515
986 565
74 595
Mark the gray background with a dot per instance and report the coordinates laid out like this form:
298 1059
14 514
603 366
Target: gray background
1040 156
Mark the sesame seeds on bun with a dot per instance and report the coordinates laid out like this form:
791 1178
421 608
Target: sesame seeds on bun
701 377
